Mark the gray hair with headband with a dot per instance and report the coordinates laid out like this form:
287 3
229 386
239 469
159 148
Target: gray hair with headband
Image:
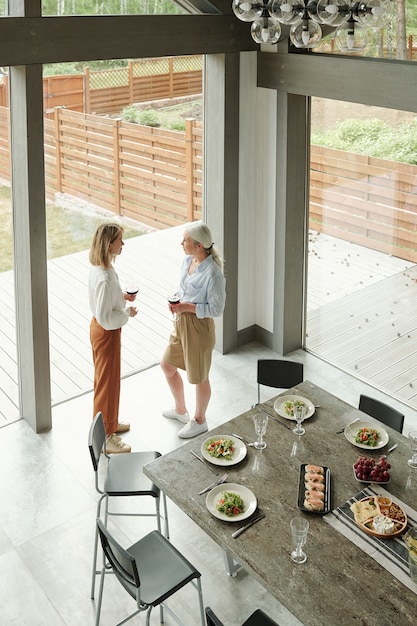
200 233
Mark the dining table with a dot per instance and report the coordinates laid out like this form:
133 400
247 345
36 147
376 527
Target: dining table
339 583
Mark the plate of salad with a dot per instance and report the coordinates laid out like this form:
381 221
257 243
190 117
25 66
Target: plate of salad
223 450
284 406
366 435
231 502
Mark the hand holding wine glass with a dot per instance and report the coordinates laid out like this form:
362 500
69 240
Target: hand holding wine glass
173 299
131 290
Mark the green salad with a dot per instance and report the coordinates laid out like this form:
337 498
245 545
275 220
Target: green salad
230 504
221 448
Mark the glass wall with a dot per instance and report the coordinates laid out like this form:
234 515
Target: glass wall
109 7
362 276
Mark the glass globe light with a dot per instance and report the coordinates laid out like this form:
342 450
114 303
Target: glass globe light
351 37
286 11
247 10
305 34
334 12
375 13
266 30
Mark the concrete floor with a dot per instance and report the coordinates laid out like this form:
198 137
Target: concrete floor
49 502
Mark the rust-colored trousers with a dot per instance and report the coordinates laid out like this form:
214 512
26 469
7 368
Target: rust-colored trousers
106 345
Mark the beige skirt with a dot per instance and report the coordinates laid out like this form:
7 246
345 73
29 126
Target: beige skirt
191 346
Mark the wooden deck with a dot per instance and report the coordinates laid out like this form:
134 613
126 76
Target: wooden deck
361 316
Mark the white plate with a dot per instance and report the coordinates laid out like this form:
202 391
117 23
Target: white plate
279 406
238 456
246 494
351 431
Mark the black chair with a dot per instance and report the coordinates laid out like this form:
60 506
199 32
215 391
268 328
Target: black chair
258 618
151 571
279 374
122 477
382 412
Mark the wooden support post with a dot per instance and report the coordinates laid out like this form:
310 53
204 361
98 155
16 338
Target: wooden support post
189 179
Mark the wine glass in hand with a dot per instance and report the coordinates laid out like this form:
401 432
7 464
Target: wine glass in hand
173 299
261 422
299 530
132 291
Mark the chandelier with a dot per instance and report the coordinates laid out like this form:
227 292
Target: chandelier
307 19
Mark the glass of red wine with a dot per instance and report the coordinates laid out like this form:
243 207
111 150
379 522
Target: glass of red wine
132 290
174 298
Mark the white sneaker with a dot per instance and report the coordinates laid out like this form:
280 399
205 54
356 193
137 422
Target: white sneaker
192 429
173 415
115 445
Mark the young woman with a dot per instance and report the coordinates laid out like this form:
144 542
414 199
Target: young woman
202 297
108 306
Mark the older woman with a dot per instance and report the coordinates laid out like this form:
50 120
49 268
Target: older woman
202 297
108 306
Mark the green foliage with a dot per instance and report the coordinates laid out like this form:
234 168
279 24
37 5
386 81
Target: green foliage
148 117
130 114
177 125
373 138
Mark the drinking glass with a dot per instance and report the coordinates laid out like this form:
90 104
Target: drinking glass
299 414
261 422
299 530
412 440
132 290
174 298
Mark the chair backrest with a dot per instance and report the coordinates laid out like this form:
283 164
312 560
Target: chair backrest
211 618
382 412
258 618
279 373
96 439
122 562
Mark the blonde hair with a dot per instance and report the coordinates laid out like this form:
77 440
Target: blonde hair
200 233
105 235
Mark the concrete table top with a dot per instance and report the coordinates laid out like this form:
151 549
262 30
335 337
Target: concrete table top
338 584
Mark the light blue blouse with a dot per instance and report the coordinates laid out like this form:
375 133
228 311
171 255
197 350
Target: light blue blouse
205 287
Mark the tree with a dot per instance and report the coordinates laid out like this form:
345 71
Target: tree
401 31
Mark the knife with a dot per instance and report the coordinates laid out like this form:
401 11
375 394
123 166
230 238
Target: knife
204 462
243 528
274 418
342 430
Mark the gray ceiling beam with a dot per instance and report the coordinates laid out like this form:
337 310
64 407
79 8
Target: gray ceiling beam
25 40
380 82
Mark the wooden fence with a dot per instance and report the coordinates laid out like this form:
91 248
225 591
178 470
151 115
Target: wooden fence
369 201
110 91
154 176
148 174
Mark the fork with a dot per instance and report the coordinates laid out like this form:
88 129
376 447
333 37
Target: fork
248 443
221 480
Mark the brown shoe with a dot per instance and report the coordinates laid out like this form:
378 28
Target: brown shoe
114 445
122 427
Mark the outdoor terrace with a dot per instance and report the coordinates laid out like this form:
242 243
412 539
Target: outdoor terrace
361 316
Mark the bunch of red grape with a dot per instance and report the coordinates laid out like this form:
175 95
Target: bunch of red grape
371 471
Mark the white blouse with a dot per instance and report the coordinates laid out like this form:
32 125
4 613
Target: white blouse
106 299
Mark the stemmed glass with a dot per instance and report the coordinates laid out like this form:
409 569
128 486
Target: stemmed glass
132 290
412 439
261 422
299 414
299 530
174 298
